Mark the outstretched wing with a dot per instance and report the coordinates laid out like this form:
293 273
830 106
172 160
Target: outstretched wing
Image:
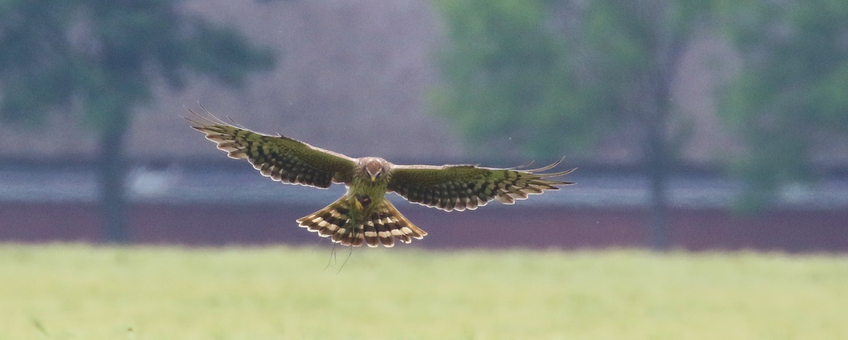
281 158
463 187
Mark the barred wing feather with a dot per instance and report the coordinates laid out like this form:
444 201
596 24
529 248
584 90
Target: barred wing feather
460 187
281 158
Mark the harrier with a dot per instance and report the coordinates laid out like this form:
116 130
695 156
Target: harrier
363 214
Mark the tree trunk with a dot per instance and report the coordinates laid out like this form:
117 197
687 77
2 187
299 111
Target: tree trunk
657 170
658 149
112 171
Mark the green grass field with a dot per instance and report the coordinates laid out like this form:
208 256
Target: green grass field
93 292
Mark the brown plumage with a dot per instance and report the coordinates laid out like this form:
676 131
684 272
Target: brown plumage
460 187
381 227
363 215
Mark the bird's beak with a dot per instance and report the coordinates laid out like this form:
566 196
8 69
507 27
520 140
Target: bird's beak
373 178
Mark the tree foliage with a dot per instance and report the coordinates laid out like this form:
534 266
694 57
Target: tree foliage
103 57
566 72
561 68
506 72
793 87
561 74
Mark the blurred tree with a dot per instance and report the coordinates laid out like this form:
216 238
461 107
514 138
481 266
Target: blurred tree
103 57
792 89
558 75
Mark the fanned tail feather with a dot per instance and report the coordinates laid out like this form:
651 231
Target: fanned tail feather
383 226
386 224
331 221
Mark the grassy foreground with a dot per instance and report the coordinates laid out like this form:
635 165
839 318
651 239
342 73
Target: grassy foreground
91 292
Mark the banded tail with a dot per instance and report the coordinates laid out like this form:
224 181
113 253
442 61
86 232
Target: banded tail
384 225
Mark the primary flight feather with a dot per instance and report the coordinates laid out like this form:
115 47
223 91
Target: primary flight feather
362 214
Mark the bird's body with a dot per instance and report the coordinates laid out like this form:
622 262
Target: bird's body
363 214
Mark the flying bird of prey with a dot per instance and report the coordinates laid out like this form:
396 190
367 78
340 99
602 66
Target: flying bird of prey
363 214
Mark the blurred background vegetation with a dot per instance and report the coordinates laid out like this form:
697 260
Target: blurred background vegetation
755 91
565 75
103 58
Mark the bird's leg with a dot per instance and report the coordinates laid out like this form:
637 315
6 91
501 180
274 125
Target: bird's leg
332 256
363 201
345 261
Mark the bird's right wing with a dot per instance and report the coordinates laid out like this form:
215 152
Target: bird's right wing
281 158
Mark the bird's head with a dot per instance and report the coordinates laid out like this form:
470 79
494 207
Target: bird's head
375 167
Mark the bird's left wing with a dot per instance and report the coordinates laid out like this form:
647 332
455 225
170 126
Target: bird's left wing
463 187
281 158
